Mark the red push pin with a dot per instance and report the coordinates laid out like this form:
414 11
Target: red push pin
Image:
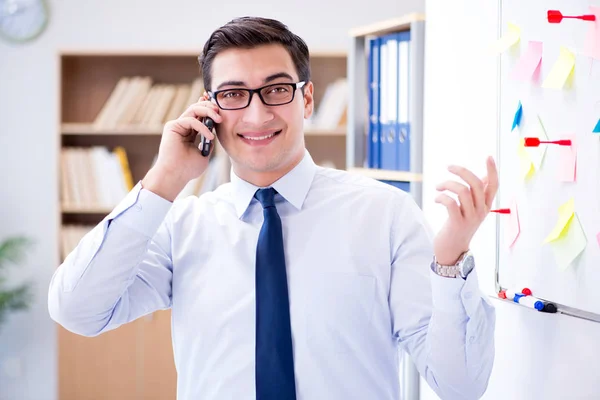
535 142
501 211
555 17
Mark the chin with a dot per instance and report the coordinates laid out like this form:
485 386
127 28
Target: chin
264 162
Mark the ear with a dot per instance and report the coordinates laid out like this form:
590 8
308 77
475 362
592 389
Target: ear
309 103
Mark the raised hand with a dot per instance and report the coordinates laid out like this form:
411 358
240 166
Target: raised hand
465 216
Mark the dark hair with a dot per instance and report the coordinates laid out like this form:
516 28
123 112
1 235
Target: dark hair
250 32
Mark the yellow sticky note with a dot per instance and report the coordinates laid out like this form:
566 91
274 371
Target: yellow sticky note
562 68
527 168
565 214
512 36
571 245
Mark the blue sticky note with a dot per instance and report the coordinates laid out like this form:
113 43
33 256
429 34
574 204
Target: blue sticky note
518 115
597 128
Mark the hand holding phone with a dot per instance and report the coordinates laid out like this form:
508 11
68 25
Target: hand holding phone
180 155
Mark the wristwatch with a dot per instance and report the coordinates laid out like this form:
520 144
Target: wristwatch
462 268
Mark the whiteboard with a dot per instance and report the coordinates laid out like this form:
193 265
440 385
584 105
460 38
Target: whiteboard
573 110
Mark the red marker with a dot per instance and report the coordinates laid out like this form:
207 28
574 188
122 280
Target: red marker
526 292
502 294
501 211
535 142
555 17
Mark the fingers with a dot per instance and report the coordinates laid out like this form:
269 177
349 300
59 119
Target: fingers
451 206
492 182
464 196
203 109
188 127
477 186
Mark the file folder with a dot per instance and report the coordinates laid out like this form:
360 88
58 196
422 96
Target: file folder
373 133
388 103
403 121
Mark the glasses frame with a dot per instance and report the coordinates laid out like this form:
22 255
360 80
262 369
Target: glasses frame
294 85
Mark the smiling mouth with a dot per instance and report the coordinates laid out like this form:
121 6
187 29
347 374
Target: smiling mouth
259 138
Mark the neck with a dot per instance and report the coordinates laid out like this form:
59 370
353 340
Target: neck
267 178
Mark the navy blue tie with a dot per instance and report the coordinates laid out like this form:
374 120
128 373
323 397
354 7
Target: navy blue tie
274 355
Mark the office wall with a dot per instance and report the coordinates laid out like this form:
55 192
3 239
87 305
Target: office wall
538 356
28 130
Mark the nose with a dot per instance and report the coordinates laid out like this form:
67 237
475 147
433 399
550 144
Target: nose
257 114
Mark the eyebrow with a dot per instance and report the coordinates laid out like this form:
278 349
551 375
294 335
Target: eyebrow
268 79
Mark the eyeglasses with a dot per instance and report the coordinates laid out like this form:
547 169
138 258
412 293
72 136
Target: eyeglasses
276 94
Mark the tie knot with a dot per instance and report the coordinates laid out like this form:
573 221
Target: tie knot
266 197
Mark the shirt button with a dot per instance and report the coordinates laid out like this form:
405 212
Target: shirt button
138 207
472 339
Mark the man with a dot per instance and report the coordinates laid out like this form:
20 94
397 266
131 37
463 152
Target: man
292 281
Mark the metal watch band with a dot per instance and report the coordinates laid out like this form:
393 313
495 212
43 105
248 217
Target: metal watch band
450 271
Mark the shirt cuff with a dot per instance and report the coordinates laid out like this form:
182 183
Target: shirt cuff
451 295
141 210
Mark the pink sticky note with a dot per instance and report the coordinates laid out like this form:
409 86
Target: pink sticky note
567 166
592 38
513 228
529 62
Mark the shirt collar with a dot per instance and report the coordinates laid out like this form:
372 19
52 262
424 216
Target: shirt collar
293 186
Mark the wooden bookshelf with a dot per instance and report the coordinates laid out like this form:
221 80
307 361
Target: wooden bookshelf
125 363
360 90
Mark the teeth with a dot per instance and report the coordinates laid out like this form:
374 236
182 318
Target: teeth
259 137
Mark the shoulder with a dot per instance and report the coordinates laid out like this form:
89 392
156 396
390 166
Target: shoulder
355 185
361 193
197 206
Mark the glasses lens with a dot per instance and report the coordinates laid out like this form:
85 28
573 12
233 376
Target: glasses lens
234 98
278 94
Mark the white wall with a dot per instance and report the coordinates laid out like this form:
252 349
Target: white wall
29 120
538 356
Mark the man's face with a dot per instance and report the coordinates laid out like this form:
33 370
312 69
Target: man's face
260 138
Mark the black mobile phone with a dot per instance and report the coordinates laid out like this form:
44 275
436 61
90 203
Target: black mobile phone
206 143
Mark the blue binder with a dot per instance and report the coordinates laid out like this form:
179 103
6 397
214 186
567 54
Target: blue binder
388 102
403 120
373 134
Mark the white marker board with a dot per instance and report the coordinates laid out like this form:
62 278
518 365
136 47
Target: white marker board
572 110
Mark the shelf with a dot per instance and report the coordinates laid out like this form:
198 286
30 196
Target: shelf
387 26
66 209
325 132
89 129
388 175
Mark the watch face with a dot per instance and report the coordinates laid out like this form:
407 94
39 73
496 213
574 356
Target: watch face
468 265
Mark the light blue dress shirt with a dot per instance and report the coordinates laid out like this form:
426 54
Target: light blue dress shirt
358 255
